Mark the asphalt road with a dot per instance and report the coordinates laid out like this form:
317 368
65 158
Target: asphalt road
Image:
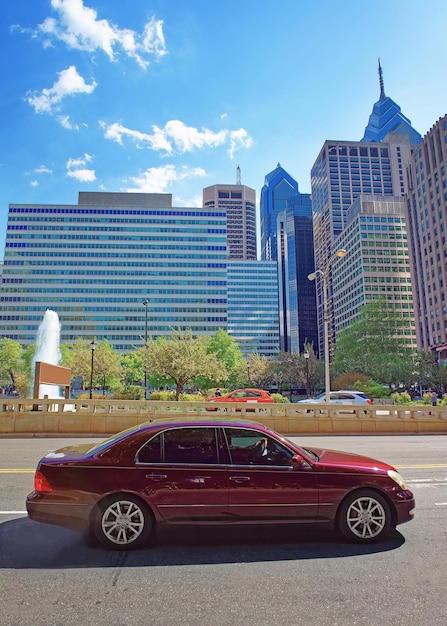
278 576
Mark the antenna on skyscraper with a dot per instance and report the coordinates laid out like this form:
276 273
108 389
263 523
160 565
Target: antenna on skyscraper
382 89
238 175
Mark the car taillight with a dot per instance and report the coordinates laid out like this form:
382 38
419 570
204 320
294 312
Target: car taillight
368 401
41 484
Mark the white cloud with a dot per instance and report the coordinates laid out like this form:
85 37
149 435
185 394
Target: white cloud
84 176
64 120
158 179
76 169
176 136
34 183
43 169
239 139
68 83
79 27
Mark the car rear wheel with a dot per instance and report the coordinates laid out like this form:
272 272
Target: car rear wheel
364 517
123 522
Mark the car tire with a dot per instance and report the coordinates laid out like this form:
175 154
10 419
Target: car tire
123 522
364 517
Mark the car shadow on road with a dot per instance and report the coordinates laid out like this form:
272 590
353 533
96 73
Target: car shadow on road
25 544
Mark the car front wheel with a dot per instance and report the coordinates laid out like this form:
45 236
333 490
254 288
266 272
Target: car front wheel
123 522
364 517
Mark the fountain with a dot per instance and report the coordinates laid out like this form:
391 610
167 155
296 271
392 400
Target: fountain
48 350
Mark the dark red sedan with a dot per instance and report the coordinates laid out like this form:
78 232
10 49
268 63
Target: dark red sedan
213 472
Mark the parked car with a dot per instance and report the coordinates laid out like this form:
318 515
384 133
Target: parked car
343 396
244 395
213 471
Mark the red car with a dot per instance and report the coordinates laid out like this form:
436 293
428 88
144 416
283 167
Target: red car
244 395
213 472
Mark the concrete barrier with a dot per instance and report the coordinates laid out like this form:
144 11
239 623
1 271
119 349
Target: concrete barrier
106 417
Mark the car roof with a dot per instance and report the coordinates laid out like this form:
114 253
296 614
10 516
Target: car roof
207 421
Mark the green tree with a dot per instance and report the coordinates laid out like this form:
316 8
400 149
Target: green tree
107 365
259 370
10 360
182 358
227 351
372 345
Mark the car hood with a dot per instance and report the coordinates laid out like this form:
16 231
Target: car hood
348 460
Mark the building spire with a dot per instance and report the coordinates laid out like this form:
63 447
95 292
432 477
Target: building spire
238 175
382 89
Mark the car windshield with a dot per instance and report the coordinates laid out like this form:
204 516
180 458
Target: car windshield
300 449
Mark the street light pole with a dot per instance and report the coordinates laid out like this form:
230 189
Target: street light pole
145 304
93 348
248 371
307 356
324 276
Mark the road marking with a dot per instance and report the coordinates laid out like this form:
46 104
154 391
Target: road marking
13 513
421 466
440 503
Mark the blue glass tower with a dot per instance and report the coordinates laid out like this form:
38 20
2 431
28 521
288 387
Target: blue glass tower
387 117
278 187
297 296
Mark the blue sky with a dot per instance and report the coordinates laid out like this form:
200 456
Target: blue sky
172 95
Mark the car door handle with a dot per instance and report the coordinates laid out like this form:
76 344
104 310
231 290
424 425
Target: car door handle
240 479
157 477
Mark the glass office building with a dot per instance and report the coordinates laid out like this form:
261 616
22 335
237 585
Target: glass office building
297 296
95 263
253 306
377 264
278 187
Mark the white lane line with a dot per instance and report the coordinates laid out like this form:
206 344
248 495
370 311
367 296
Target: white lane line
440 503
13 513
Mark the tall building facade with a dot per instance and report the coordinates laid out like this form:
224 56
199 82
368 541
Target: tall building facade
387 117
253 306
278 187
427 219
239 202
297 304
344 170
95 262
377 265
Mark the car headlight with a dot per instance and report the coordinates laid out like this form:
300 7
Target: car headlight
397 479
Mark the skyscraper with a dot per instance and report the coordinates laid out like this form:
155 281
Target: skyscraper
377 266
344 170
278 187
427 220
239 202
387 117
297 314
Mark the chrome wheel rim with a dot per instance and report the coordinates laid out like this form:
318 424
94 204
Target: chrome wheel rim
122 522
366 518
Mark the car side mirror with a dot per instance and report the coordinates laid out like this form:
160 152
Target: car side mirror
298 462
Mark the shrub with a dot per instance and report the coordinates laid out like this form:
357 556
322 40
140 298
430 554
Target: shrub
163 396
401 398
278 398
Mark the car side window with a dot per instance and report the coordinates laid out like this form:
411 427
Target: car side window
250 447
190 445
151 451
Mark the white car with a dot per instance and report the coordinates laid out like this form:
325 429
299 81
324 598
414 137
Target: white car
343 396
